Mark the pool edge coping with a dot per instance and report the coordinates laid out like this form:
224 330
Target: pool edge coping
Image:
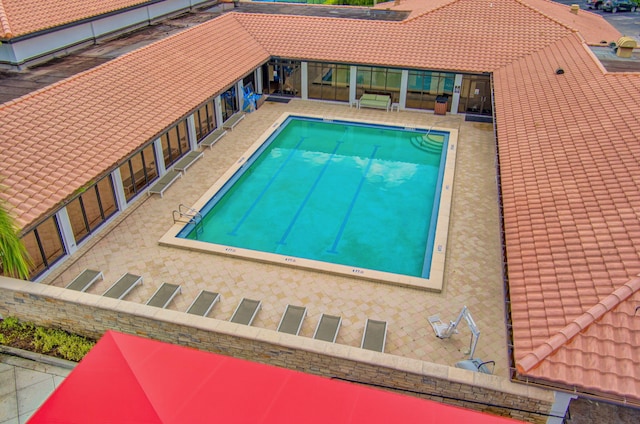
434 283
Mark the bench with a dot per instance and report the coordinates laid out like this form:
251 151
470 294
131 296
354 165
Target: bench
230 123
164 182
187 160
213 137
376 101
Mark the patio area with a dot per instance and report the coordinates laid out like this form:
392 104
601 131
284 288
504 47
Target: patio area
473 264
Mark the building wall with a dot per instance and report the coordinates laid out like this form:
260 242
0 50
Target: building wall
91 315
41 47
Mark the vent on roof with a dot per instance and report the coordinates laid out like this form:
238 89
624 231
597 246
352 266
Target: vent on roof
559 71
575 8
624 46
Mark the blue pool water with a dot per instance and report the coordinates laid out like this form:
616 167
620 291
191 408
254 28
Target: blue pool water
346 193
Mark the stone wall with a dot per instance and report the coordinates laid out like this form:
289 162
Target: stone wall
91 315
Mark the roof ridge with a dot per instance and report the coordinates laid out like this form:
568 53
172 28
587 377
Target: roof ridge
551 345
526 4
4 22
421 14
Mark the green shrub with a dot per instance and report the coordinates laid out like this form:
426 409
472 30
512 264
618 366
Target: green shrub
44 340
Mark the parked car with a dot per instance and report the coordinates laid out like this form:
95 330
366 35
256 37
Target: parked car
594 4
614 6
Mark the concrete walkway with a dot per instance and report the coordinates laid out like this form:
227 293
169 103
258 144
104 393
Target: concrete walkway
25 384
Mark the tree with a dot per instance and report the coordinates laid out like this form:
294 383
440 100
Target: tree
14 258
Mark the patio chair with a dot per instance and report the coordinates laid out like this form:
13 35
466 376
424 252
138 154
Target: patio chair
187 160
85 279
375 335
213 137
291 320
203 303
246 311
164 295
327 328
121 288
164 182
233 120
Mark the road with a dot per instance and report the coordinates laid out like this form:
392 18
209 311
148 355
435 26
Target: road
628 23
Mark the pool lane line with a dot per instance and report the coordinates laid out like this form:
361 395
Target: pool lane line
264 190
309 193
353 202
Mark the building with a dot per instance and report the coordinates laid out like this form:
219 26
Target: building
77 153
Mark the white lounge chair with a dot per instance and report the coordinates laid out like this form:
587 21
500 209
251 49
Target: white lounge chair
121 288
85 279
291 321
203 303
233 120
187 160
246 311
213 137
375 335
164 182
327 328
164 295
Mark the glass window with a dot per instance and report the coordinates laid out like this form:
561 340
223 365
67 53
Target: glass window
175 143
282 77
229 103
379 80
424 87
44 245
138 172
328 81
91 209
205 120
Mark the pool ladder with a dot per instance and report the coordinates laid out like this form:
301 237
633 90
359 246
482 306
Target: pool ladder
188 215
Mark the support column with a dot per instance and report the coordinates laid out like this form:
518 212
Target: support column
157 147
304 80
404 84
217 105
455 101
560 407
353 83
66 231
240 94
121 198
191 132
257 76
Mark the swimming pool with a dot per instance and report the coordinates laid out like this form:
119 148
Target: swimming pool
355 198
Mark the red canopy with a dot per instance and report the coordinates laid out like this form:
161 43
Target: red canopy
128 379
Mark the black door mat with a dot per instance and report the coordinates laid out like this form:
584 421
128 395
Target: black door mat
479 118
278 99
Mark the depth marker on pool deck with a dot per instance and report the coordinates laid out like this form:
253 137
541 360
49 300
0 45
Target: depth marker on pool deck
264 190
353 202
308 196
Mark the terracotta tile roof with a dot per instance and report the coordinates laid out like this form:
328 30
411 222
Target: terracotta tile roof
19 17
604 336
436 40
55 139
568 149
417 7
592 27
571 192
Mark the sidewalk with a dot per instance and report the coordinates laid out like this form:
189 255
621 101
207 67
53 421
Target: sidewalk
25 384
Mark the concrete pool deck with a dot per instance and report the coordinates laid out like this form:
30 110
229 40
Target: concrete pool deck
473 264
